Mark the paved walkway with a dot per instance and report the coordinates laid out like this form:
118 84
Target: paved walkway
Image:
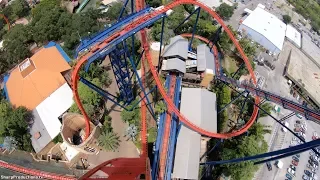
127 148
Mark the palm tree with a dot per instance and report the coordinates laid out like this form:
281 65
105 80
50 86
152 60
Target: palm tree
109 141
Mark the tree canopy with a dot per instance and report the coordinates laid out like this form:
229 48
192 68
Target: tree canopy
225 11
49 22
133 116
109 140
241 146
286 19
309 10
14 123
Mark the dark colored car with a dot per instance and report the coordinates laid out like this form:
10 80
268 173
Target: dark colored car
295 158
288 176
313 162
308 173
269 166
298 122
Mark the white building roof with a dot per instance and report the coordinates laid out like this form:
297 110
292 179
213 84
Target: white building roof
199 106
215 3
48 112
178 47
69 151
205 58
293 35
267 25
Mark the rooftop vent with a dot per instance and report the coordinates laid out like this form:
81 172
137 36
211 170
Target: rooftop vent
26 67
37 135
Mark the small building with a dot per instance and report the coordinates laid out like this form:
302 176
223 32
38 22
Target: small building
205 64
199 106
40 83
293 36
265 29
175 55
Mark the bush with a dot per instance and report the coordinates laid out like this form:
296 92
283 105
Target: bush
286 19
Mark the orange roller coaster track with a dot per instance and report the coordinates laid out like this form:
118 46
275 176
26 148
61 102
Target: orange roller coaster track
7 20
184 120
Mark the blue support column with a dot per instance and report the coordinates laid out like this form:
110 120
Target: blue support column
119 65
159 138
173 134
194 28
137 62
161 41
122 10
196 10
132 6
139 80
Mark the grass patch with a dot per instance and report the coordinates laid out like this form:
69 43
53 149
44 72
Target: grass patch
230 64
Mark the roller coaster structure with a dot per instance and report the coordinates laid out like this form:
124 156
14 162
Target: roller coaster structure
108 42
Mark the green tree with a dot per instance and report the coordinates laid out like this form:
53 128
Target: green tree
225 11
58 139
154 3
267 107
96 71
89 98
16 44
109 141
247 47
160 107
259 130
223 98
14 123
132 116
114 11
286 19
248 146
107 124
20 8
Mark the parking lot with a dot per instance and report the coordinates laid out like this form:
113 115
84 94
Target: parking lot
303 158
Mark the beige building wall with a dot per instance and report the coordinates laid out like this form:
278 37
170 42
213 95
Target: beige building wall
73 124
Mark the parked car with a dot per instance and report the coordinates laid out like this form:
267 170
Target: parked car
308 173
299 115
297 129
269 166
289 176
313 163
291 172
295 158
298 122
297 125
295 162
293 167
314 158
305 177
